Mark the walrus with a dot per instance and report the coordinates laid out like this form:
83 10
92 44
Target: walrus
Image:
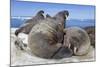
27 26
91 32
60 19
43 39
77 39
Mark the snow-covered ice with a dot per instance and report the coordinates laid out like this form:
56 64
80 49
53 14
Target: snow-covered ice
19 57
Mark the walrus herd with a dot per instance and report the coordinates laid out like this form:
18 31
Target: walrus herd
48 38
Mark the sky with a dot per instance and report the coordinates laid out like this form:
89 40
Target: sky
21 8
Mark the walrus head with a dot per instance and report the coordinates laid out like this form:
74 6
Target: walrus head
61 17
64 14
78 40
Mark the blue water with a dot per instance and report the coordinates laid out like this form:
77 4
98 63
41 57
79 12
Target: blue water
15 23
80 23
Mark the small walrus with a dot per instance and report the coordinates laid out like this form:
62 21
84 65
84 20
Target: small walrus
43 39
27 26
78 40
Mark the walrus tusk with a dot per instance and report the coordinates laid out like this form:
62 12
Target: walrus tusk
75 50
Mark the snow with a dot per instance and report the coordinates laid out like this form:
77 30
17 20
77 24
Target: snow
19 57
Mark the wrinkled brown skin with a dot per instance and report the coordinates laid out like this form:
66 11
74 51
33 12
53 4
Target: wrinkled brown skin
60 19
91 32
27 26
43 39
78 40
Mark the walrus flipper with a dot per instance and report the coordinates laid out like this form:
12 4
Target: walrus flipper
63 52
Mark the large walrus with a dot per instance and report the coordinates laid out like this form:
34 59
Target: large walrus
78 40
91 32
43 39
60 19
27 26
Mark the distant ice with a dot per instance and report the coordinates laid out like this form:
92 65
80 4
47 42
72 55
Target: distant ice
21 17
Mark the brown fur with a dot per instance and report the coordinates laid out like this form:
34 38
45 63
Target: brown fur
43 39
